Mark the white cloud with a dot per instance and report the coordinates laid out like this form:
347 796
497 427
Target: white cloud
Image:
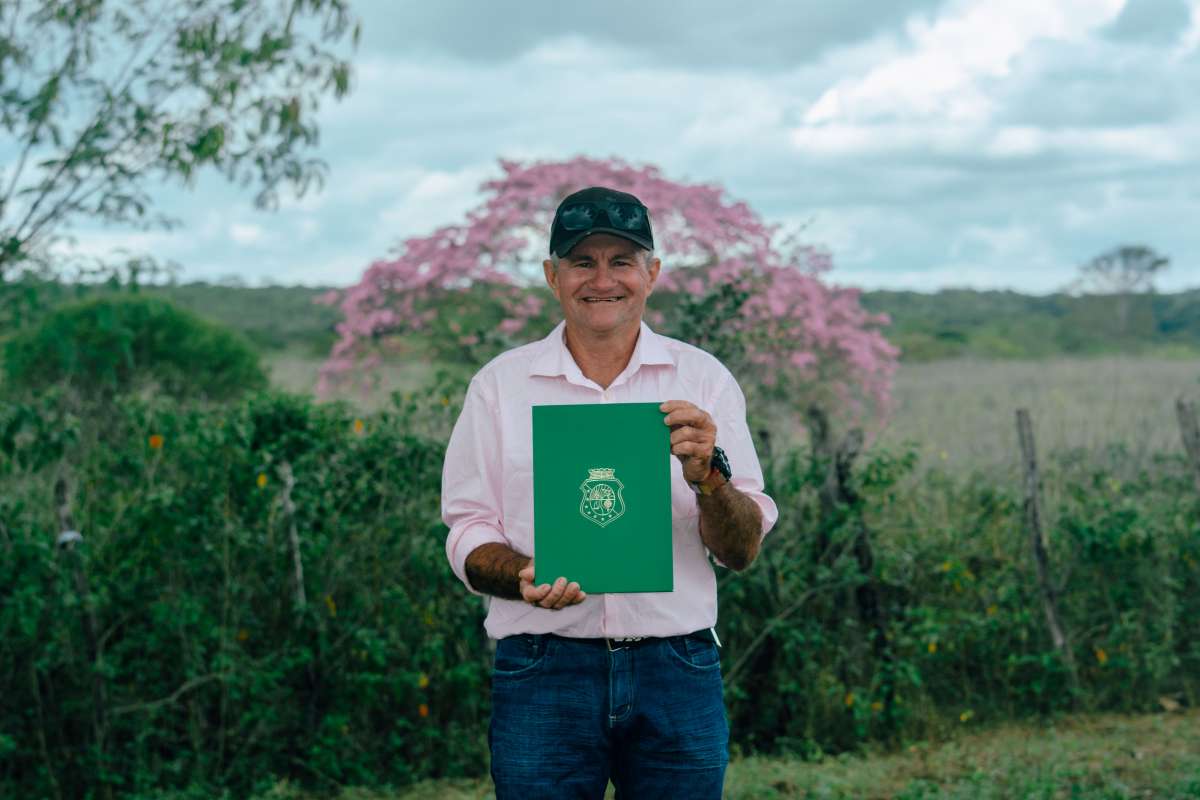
1190 41
939 79
308 228
107 244
246 233
432 199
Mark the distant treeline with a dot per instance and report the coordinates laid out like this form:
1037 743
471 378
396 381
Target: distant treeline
1000 324
951 323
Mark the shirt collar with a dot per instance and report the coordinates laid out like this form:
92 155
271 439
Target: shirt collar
555 360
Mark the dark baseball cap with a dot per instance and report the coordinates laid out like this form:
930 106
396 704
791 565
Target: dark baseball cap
598 209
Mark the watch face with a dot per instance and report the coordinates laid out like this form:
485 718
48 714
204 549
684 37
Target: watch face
721 462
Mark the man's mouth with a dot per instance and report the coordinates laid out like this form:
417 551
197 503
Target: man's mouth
603 299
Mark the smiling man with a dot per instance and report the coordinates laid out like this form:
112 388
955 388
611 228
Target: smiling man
624 687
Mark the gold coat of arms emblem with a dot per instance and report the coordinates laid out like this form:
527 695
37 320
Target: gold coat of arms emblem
602 501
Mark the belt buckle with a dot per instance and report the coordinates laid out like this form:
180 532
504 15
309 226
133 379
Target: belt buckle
623 642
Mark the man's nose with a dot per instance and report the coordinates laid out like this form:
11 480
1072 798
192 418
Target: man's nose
603 275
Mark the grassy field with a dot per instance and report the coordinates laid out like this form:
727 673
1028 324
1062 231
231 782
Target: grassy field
959 413
1085 758
962 413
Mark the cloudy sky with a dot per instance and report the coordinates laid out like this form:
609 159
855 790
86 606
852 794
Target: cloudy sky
927 143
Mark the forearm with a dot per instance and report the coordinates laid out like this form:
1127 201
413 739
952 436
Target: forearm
492 569
730 526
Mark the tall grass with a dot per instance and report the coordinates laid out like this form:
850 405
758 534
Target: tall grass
961 413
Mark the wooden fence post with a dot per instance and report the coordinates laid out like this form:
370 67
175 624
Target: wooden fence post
66 541
289 511
1033 520
1189 430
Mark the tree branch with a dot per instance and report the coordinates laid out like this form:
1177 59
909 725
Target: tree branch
171 698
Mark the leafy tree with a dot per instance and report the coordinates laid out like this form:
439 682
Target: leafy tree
1122 271
731 283
98 98
109 346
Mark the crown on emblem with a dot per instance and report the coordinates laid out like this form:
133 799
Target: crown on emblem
601 473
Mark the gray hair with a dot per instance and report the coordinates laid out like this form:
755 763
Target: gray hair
647 257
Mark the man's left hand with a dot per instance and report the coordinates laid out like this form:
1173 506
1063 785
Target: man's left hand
693 436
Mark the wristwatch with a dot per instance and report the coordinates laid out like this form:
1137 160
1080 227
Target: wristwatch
718 475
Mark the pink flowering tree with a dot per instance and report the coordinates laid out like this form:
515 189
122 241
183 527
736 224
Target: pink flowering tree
731 283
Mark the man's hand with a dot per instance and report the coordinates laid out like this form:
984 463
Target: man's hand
693 436
560 595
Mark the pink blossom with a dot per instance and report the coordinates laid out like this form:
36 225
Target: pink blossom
802 339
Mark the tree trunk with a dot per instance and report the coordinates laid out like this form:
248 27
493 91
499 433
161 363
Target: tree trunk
1037 538
1189 430
838 497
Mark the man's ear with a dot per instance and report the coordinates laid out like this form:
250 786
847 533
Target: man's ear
654 267
551 276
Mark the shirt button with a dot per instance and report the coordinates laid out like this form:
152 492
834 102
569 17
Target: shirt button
605 397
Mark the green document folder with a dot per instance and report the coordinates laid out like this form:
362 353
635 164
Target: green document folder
602 497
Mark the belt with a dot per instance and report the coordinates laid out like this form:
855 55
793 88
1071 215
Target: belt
630 642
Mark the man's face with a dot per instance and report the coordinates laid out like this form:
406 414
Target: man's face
603 283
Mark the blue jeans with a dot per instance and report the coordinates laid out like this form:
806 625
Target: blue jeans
568 715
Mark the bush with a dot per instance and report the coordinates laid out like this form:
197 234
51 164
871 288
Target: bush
172 649
120 344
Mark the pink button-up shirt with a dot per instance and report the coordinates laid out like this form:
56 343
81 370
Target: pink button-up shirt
487 480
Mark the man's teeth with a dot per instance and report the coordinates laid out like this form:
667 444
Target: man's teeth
601 299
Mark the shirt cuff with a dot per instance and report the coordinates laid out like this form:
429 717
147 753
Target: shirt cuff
462 546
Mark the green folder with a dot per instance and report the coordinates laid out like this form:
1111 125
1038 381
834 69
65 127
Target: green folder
602 496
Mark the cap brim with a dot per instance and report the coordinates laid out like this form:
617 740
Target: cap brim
566 245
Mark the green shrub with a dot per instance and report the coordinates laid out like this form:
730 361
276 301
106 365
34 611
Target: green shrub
170 650
127 343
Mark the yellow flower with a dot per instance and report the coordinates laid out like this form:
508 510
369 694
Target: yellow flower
877 706
849 699
932 647
946 565
261 480
359 426
423 710
332 606
1101 656
243 634
966 715
445 401
423 681
958 586
156 441
429 619
992 609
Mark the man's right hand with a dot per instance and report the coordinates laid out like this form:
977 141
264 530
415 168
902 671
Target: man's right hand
556 596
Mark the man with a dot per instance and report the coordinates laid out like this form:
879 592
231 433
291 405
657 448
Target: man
624 687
